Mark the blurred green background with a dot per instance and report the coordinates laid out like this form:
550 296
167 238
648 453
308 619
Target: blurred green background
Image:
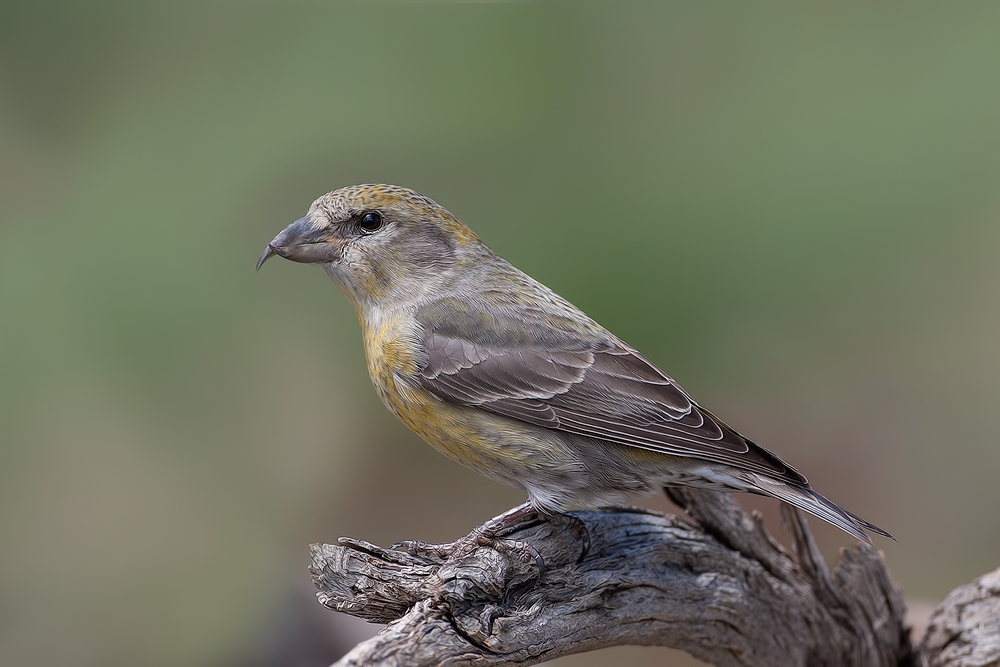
793 209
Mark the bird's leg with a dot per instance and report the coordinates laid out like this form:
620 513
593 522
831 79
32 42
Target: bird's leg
489 534
493 534
524 515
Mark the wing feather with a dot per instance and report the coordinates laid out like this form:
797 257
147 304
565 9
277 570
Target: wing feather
585 384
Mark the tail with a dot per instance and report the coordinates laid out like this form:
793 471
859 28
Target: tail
818 505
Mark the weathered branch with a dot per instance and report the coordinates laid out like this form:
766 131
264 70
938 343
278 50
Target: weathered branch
965 629
724 591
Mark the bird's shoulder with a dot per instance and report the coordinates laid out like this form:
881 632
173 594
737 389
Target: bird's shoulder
510 339
504 308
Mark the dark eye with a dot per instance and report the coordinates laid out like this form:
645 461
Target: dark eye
370 222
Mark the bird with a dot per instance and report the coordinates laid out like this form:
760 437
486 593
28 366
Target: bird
502 375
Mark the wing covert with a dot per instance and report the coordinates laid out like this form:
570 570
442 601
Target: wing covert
593 386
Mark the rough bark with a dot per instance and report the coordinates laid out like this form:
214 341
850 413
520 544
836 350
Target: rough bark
724 591
965 629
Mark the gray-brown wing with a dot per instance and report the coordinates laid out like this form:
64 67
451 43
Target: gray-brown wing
594 387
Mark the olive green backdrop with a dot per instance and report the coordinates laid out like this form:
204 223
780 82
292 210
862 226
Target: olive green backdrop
793 208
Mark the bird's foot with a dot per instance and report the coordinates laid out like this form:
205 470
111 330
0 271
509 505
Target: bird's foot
493 534
490 534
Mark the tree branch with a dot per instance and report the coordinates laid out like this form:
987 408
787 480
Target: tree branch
723 591
965 629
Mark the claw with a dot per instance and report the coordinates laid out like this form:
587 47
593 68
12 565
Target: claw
422 549
513 549
492 534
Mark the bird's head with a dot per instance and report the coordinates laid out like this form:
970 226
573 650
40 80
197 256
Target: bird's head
378 243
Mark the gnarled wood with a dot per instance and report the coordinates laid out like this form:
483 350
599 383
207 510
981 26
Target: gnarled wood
724 591
965 629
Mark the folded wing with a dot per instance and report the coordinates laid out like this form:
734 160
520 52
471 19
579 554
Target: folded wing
582 383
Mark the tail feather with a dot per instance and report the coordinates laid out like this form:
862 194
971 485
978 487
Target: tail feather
866 525
818 505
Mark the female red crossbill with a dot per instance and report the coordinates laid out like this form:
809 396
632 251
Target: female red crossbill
501 374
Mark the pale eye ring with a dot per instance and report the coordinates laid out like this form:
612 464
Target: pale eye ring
370 222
